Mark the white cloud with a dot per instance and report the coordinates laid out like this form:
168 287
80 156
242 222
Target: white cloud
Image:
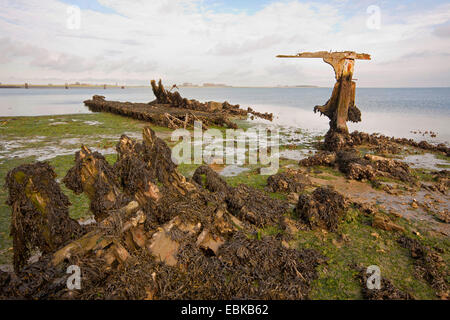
184 41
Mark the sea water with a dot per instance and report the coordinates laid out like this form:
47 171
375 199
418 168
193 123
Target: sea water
399 112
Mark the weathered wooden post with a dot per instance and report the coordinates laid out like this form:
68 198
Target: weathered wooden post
340 108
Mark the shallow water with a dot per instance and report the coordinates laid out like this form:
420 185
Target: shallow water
232 170
425 161
391 111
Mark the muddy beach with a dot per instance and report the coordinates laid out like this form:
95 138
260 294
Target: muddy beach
159 230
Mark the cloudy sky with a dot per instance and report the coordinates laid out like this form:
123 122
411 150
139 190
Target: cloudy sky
222 41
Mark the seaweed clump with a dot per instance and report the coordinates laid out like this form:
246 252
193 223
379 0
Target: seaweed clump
428 264
210 180
242 269
387 290
255 207
322 209
288 181
40 212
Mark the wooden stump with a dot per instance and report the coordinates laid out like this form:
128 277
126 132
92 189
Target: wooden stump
340 108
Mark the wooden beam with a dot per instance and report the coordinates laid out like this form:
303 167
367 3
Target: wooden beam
328 55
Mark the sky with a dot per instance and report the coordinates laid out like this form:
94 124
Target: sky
222 41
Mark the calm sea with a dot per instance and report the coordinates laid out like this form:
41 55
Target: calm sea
394 112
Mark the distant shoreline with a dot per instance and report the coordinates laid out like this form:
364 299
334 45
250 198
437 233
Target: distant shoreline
37 86
88 86
63 86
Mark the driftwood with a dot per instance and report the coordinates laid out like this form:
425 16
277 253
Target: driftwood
340 108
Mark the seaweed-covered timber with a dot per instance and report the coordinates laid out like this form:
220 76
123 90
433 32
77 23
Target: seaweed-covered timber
172 111
157 235
40 212
340 108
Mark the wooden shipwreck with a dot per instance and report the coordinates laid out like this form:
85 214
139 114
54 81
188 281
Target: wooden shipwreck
171 110
156 234
340 108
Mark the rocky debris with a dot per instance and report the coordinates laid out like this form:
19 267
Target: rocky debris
442 180
354 166
266 115
390 144
174 239
393 168
432 134
387 291
384 223
350 162
429 265
322 209
288 181
443 216
40 212
366 208
369 167
292 198
323 158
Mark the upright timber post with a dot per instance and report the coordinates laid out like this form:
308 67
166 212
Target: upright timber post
340 108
